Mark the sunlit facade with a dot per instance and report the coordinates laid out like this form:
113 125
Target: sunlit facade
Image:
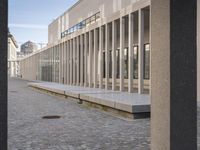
97 43
13 64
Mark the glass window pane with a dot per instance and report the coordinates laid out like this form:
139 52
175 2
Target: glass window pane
104 65
93 19
87 21
146 61
110 64
135 48
126 63
117 61
98 16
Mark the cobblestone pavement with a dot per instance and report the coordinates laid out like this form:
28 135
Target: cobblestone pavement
79 128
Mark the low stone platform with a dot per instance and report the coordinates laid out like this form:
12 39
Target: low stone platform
131 105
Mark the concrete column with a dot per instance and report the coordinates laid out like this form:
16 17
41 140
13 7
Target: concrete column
65 63
54 64
140 51
130 45
74 61
100 56
78 59
86 64
107 56
68 62
114 66
198 50
95 58
122 22
60 62
81 59
71 62
173 75
4 77
90 59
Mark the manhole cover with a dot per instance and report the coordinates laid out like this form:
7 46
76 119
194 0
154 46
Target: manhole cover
51 117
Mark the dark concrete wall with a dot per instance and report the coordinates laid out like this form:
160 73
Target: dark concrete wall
173 75
3 74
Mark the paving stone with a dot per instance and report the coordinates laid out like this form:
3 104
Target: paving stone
79 128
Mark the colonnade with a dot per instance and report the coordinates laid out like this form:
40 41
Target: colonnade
104 57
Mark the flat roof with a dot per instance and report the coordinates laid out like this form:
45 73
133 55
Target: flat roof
74 5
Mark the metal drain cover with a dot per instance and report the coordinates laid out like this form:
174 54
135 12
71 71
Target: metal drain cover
51 117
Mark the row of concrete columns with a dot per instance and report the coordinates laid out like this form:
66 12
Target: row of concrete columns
81 62
173 70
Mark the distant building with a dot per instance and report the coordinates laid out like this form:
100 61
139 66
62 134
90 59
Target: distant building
28 47
20 55
13 65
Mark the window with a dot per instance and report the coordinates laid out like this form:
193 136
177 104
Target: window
104 65
126 63
135 62
79 26
110 64
62 35
75 28
66 32
82 24
117 61
146 61
87 21
97 16
93 19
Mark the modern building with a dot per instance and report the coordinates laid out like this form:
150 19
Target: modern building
106 44
102 45
13 66
28 48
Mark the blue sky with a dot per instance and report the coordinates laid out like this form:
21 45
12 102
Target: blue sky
29 19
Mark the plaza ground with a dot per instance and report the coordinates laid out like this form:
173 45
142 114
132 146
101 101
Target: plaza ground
79 128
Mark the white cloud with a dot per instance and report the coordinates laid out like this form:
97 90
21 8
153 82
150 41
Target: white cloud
30 26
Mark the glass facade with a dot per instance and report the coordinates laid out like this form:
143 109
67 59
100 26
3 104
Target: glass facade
44 65
81 24
47 63
56 64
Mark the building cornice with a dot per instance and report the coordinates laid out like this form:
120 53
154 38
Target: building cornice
13 39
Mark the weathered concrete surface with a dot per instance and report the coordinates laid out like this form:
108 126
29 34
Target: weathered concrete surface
79 128
129 102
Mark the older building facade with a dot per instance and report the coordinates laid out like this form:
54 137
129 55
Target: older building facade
13 65
105 44
28 48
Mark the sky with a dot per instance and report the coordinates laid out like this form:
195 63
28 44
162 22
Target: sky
29 19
